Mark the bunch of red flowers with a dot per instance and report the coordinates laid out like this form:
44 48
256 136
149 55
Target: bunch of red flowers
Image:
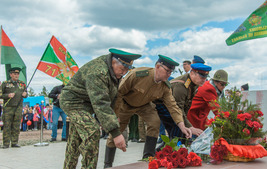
173 159
237 125
251 119
237 121
217 152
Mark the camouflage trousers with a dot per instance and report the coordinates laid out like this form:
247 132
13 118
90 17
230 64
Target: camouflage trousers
11 119
84 135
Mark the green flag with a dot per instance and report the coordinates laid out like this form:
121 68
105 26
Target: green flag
57 62
255 26
10 57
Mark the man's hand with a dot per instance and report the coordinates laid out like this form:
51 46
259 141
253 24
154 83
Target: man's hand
11 95
120 142
196 131
185 130
24 94
58 96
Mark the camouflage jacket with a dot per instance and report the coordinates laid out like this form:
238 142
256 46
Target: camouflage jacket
94 87
10 86
183 90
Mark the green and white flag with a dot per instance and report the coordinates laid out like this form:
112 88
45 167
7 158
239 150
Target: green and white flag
255 26
10 57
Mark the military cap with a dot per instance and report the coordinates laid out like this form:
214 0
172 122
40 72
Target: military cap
125 58
201 69
167 62
14 70
245 86
198 59
220 75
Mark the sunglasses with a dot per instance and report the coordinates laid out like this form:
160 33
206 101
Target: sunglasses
168 71
223 84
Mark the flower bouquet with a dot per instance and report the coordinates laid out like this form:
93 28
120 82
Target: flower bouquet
236 127
173 155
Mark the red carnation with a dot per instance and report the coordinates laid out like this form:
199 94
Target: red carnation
249 123
246 131
153 165
163 162
243 117
169 165
159 164
183 152
256 124
175 155
209 122
160 155
226 114
217 152
175 163
182 162
217 116
167 150
259 113
194 159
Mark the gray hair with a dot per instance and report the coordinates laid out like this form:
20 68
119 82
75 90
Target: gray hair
117 61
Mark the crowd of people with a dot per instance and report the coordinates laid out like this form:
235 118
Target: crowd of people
108 94
31 117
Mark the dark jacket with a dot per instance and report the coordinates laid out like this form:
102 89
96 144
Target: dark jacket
54 93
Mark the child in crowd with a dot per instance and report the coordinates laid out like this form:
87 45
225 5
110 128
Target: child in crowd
24 119
48 116
36 118
30 117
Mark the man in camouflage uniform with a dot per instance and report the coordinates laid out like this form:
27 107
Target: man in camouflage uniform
184 89
13 91
136 92
93 90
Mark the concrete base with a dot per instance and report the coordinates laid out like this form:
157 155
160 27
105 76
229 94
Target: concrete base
260 163
41 144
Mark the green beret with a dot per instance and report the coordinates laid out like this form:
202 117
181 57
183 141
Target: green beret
167 62
125 58
14 70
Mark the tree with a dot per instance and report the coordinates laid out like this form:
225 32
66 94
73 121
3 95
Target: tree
31 92
44 92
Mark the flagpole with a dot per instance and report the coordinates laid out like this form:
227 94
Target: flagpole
38 64
31 78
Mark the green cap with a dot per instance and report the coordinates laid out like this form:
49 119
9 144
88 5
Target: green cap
221 75
125 58
14 70
167 62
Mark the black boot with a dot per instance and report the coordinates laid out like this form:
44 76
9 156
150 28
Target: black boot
160 146
149 149
109 156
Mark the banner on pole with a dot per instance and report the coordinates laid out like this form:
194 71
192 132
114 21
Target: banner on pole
255 26
57 62
10 57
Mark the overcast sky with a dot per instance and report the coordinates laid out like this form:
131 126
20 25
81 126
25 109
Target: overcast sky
175 28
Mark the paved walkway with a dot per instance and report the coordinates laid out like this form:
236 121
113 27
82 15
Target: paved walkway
52 156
